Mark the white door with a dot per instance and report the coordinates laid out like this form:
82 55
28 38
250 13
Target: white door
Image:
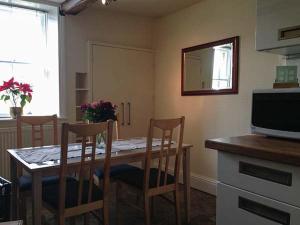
125 77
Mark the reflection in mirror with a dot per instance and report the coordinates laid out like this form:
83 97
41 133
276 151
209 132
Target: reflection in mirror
210 68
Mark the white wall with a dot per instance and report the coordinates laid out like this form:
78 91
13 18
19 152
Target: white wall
209 116
97 25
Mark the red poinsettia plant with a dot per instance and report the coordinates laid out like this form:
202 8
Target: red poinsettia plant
99 111
15 92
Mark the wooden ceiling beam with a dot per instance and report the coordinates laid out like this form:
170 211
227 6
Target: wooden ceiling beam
73 7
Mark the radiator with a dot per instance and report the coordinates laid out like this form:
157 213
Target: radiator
8 140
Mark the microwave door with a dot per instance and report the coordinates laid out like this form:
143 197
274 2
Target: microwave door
276 114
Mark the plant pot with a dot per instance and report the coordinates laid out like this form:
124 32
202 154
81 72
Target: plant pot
15 111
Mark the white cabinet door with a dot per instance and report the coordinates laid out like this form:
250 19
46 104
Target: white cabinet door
239 207
125 77
273 180
278 26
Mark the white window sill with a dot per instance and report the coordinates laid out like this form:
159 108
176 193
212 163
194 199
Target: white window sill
6 119
6 122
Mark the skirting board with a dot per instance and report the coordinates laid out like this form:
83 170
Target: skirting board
204 184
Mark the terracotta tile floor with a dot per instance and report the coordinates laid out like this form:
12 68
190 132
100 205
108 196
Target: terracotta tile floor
203 210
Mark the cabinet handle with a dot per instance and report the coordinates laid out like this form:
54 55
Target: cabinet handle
129 113
123 113
289 33
265 173
264 211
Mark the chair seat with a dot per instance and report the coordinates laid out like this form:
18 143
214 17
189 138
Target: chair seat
116 170
51 193
136 178
25 182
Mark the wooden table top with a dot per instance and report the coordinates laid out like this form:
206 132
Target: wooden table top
257 146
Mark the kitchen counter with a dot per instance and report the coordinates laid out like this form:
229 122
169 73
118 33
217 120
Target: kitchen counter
258 180
261 147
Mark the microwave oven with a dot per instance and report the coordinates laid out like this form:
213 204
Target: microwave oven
276 112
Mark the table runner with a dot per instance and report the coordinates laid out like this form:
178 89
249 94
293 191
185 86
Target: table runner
52 153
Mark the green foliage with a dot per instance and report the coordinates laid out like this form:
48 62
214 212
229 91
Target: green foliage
5 98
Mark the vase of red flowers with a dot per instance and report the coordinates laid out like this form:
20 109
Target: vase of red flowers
18 94
99 111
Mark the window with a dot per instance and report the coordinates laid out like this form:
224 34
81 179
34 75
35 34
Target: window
29 53
222 68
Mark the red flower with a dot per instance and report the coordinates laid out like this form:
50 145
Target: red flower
84 107
9 84
25 88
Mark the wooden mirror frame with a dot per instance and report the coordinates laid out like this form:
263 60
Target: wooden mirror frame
235 68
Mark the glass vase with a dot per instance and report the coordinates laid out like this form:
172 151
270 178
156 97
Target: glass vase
15 111
100 139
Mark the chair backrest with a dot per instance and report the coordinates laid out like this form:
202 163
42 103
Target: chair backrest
167 128
37 129
87 165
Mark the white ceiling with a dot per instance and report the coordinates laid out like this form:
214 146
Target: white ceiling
151 8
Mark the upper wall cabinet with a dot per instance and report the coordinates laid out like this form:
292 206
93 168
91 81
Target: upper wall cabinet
278 26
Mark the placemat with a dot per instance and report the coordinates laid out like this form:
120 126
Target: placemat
52 153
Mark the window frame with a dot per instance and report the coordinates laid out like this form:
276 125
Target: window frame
51 8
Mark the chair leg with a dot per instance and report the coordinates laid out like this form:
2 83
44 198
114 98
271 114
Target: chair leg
23 211
177 207
106 214
118 200
61 220
152 206
147 210
73 220
19 202
86 219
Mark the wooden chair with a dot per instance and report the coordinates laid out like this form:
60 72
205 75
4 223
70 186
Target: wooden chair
114 170
156 181
71 196
37 139
34 122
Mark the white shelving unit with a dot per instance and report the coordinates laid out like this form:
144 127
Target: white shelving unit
82 95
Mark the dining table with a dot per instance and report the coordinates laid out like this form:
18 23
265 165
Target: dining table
43 161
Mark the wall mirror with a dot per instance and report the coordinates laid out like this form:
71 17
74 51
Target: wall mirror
211 69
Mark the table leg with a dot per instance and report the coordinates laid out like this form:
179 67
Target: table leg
36 198
187 184
14 181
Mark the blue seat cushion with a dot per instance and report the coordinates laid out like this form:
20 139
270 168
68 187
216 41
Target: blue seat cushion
25 182
51 193
116 170
136 178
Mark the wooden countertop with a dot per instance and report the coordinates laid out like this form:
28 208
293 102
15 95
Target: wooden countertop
257 146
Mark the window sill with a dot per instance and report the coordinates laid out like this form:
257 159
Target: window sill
6 119
6 122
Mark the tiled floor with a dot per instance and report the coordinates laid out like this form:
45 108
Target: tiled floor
203 210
